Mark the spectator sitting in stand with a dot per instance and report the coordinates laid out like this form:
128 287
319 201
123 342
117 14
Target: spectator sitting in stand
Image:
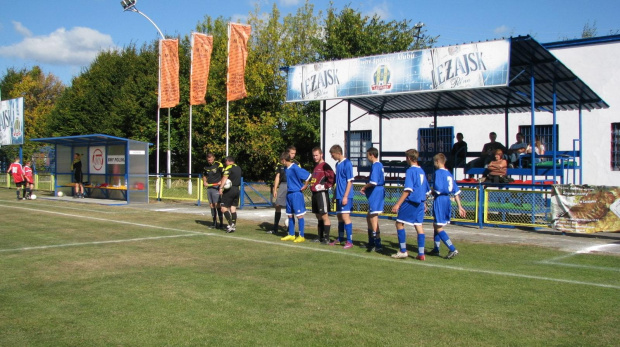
487 152
497 169
516 150
458 154
539 148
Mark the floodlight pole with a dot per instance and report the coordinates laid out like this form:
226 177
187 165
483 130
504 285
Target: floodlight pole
418 26
130 5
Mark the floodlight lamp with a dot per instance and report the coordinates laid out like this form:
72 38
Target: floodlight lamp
419 25
128 4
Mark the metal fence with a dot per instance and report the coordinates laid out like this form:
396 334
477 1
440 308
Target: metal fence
469 200
42 181
185 188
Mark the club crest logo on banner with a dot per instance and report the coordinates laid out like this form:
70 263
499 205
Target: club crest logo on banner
97 160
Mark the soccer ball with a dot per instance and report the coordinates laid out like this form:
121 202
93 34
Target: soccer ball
60 194
228 184
33 197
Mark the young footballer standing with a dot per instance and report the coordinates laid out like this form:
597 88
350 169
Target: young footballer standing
29 183
322 179
410 206
443 187
211 179
295 204
280 190
230 196
344 196
17 172
375 192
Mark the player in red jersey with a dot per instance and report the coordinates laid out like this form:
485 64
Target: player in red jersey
17 172
29 184
322 179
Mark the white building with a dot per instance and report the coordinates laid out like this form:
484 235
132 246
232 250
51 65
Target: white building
593 61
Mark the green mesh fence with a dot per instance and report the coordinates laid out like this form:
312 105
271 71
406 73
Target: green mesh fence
516 207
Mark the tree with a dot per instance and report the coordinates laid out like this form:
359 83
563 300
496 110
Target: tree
350 34
589 30
40 93
117 93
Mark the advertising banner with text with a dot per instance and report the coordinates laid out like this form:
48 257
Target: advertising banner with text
476 65
586 209
12 122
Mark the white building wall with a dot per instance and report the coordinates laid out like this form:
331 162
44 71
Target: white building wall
592 63
597 65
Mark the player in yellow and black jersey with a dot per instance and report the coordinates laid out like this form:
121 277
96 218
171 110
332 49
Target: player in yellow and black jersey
230 196
211 178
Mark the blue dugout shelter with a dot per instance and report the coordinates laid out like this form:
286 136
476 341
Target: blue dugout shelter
114 168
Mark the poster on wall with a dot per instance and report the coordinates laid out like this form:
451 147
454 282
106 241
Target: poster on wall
97 161
12 122
475 65
585 209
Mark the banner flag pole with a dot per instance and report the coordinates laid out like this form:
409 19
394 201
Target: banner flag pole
191 68
227 87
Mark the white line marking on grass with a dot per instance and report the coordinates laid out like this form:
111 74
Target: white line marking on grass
31 203
97 243
341 252
422 263
557 260
107 220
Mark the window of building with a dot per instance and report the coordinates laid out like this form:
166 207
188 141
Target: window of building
615 146
429 144
359 142
544 132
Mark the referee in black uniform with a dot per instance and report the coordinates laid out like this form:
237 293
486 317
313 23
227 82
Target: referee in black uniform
280 189
230 196
211 178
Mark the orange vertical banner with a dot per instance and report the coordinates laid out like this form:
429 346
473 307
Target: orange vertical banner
201 59
169 95
237 57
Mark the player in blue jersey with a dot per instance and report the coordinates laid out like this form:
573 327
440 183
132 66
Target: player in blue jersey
375 192
410 206
344 196
295 204
443 187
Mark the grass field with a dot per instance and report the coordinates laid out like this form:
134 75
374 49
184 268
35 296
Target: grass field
89 275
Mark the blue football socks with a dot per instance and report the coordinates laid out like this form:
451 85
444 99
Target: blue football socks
302 223
402 239
349 229
421 241
340 231
446 239
291 226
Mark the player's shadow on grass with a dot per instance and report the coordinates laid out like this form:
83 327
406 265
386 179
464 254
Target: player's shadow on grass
266 226
205 223
390 248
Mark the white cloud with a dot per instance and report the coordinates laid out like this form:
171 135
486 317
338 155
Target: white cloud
77 46
239 18
290 2
21 29
501 30
382 10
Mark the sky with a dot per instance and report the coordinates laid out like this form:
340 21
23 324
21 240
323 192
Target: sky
63 37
